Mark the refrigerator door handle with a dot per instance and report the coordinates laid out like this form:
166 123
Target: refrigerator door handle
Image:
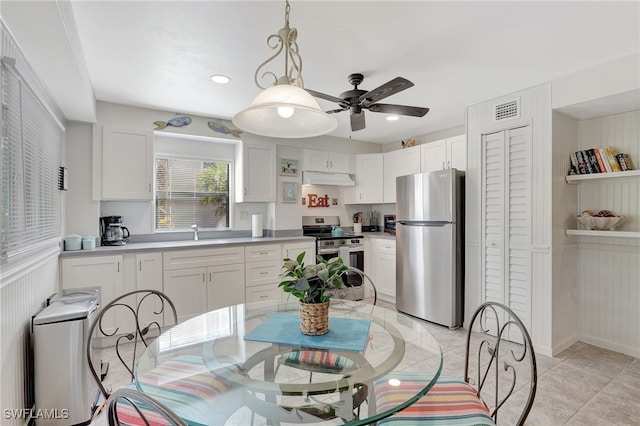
430 223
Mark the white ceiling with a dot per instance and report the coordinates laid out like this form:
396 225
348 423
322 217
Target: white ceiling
161 54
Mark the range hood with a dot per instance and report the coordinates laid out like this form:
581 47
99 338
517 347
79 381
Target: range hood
327 178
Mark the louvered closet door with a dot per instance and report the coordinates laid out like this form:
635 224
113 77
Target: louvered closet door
507 220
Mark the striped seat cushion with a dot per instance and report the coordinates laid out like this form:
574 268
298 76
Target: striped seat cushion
450 402
321 360
185 385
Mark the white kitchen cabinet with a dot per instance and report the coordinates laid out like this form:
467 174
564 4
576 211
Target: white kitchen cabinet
127 164
105 272
369 179
450 153
324 161
225 286
200 280
255 172
383 267
399 163
187 288
262 272
148 276
292 250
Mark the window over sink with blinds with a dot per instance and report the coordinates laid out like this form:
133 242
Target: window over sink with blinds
191 191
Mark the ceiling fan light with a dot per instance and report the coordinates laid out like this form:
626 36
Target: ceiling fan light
393 118
263 116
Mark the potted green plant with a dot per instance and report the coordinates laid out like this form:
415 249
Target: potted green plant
312 285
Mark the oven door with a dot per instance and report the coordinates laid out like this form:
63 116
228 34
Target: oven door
356 259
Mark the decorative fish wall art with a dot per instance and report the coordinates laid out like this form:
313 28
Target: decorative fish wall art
221 128
179 121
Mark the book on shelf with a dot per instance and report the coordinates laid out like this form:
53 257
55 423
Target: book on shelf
602 160
594 161
599 160
611 157
625 162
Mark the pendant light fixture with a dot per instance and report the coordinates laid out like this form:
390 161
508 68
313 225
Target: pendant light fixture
284 110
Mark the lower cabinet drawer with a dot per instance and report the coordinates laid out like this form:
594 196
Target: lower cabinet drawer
259 273
263 292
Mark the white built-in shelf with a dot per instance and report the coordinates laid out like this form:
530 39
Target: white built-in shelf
613 175
592 233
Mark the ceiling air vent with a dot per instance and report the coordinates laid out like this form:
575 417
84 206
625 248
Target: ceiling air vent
507 110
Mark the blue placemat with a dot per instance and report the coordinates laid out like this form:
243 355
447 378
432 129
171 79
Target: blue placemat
345 334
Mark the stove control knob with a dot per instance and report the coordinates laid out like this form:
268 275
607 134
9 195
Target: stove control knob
355 241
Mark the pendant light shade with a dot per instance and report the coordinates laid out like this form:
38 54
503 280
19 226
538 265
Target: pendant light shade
285 111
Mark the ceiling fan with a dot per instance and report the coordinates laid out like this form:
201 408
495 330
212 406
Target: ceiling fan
356 100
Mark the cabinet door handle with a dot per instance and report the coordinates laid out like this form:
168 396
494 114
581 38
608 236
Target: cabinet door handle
118 266
140 264
264 273
326 164
448 164
149 187
331 163
210 277
264 252
203 277
443 166
245 190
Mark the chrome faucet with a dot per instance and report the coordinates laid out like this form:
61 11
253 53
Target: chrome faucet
195 231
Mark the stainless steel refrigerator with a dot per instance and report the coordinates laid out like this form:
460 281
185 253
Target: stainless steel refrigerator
430 244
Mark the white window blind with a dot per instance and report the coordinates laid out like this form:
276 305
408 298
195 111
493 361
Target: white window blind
30 152
191 191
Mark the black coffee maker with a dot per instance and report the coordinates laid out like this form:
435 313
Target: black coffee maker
112 233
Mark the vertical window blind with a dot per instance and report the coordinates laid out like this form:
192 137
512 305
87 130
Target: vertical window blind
191 191
30 155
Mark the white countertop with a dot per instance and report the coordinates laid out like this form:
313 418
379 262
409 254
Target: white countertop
186 244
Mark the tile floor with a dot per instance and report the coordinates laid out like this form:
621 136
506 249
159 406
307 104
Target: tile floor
584 385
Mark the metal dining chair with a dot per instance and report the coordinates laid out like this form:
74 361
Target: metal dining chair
502 348
141 315
131 407
185 381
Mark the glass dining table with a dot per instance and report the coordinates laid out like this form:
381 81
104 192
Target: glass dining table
249 364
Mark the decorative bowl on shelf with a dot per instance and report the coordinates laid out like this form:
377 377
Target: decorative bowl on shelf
601 222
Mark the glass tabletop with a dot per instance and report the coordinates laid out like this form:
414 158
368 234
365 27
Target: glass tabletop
237 364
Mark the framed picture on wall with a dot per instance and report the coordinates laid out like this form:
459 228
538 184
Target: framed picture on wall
289 167
289 192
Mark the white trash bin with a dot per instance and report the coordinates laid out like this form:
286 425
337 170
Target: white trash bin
65 391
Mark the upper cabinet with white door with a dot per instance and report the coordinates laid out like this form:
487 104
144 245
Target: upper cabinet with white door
255 172
399 163
450 153
324 161
127 164
369 179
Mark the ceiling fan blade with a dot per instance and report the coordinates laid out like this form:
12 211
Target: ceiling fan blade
392 87
357 121
333 111
325 96
399 109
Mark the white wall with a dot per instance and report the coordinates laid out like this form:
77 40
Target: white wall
81 211
611 78
565 251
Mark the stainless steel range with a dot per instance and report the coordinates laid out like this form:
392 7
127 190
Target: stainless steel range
348 246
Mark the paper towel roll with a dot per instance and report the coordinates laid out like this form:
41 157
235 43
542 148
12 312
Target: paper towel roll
256 225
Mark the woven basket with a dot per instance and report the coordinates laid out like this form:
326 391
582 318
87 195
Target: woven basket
314 318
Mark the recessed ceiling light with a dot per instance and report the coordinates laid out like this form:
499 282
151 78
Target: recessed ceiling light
220 79
393 118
